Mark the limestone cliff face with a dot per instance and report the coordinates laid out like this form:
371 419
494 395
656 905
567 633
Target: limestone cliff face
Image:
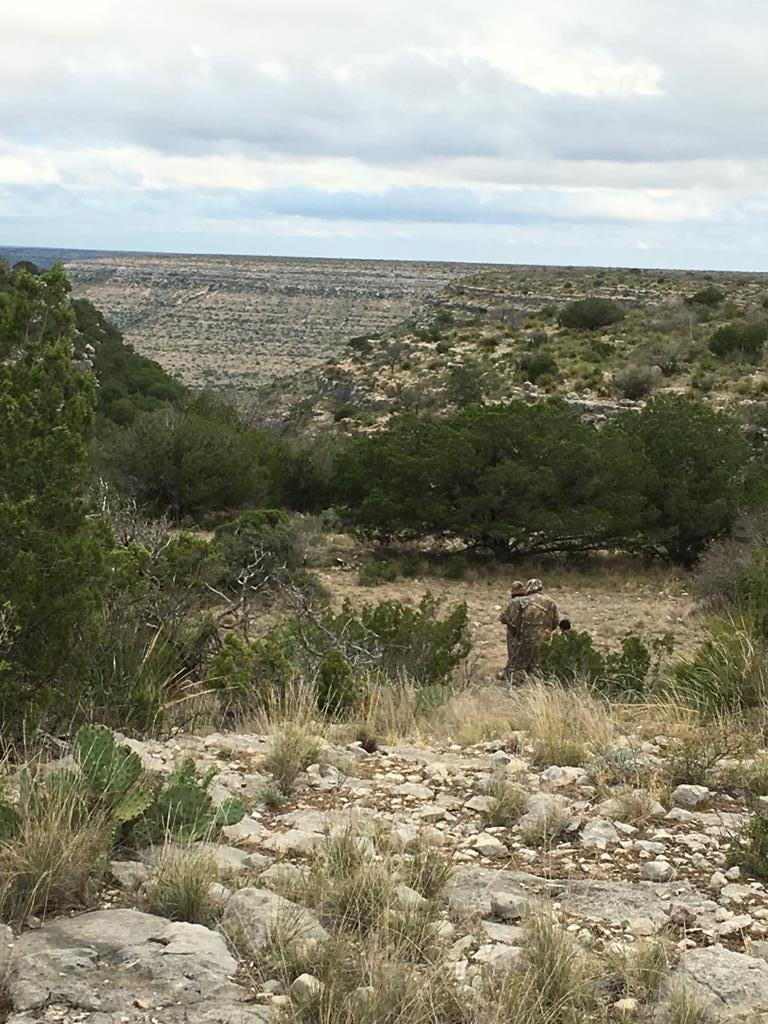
235 322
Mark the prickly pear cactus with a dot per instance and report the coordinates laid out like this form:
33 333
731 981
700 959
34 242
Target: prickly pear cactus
186 810
230 812
110 770
133 805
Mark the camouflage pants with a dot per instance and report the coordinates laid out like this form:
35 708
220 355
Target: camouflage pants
522 656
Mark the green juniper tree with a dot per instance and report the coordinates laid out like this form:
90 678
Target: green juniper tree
52 556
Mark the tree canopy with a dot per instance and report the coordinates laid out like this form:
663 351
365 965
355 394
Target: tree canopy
52 558
534 478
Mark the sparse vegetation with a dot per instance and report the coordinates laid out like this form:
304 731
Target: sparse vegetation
567 725
293 750
507 802
180 887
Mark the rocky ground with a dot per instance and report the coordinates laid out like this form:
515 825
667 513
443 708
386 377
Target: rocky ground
614 871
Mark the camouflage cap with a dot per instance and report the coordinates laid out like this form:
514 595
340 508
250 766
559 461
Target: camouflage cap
533 586
517 589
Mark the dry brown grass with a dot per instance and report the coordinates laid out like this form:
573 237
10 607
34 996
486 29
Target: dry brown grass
566 726
56 860
180 886
294 748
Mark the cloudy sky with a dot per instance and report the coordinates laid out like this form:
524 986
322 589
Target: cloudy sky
630 132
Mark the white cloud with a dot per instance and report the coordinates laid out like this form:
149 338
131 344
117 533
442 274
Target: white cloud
605 111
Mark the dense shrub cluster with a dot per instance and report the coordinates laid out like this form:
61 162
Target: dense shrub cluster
710 296
345 653
629 672
521 479
52 556
591 313
129 383
744 340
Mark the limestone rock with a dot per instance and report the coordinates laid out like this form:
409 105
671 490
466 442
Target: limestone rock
110 965
510 934
657 871
489 846
472 889
277 876
690 797
556 777
730 984
498 956
129 874
246 833
306 987
294 841
415 790
733 926
599 834
257 911
409 897
509 906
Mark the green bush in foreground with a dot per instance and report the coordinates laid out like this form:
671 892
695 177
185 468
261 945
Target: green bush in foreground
631 671
344 653
107 786
52 556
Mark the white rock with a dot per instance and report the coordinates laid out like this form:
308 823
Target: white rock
734 925
481 804
558 778
409 897
293 842
690 796
509 906
489 846
657 871
415 790
305 987
599 834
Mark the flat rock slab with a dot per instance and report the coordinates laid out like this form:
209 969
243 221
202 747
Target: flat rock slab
473 889
125 967
257 912
616 903
730 984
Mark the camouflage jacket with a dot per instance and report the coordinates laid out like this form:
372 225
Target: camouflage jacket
531 618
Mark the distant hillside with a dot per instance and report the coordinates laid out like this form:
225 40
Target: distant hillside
500 333
235 322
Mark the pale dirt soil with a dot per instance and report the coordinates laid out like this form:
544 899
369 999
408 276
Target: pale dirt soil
607 605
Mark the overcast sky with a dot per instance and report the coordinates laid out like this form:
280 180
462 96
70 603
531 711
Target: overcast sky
630 132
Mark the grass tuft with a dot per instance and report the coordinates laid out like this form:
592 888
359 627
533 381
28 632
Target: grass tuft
293 749
56 860
565 726
180 888
508 802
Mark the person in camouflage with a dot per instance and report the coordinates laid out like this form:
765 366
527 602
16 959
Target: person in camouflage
530 617
510 616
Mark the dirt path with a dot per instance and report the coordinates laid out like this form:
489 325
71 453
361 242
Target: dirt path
607 607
